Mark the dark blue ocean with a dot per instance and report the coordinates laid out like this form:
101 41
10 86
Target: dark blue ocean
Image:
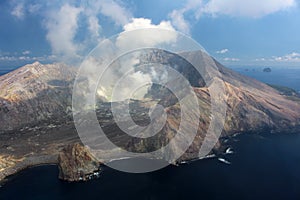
265 166
285 76
262 167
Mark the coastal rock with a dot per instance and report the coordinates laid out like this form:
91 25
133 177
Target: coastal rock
76 163
267 69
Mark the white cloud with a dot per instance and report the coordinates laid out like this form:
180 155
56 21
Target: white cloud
34 8
234 8
115 11
28 58
253 8
65 22
222 51
8 58
24 58
62 26
232 59
143 37
112 9
26 52
261 59
293 57
94 27
288 58
178 16
140 23
18 11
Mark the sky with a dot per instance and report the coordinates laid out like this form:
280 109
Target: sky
235 32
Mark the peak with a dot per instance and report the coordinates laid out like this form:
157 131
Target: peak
30 66
36 63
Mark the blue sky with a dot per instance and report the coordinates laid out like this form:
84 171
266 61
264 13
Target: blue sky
235 32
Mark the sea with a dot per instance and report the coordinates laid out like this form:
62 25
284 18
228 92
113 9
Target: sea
260 166
284 76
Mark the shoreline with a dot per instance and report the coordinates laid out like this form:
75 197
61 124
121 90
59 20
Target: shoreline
47 160
34 161
25 164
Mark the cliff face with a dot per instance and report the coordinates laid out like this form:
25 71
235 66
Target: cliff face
76 163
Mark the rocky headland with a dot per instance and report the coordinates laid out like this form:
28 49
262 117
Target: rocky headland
75 162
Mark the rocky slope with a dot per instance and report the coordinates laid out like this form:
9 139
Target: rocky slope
35 117
35 93
252 106
76 163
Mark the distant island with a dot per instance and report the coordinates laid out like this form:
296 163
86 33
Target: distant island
267 69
